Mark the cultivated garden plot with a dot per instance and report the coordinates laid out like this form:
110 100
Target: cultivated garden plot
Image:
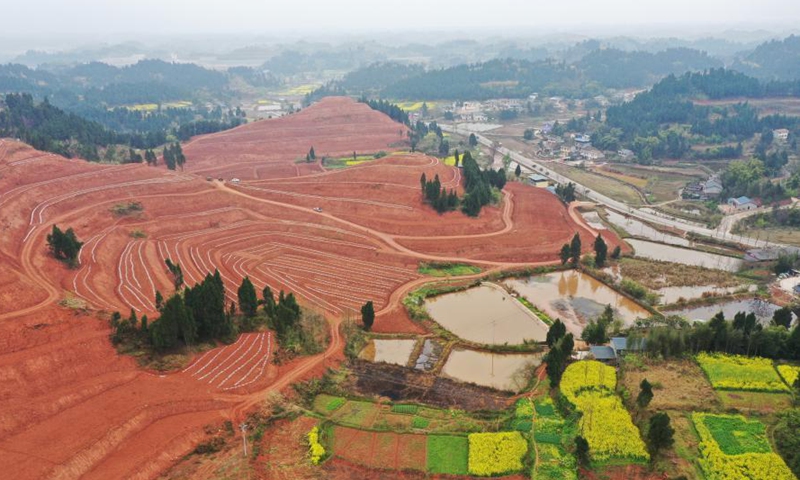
733 447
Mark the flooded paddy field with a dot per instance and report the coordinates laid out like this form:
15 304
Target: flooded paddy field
502 371
394 351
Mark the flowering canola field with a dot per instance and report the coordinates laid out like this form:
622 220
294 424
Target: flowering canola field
736 372
606 425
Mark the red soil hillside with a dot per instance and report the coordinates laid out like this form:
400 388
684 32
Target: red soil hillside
70 406
335 127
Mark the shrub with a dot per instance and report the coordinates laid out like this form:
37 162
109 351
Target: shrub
496 453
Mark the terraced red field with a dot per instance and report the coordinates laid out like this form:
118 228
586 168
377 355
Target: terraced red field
70 406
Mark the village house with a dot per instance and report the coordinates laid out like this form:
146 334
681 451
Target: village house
537 180
743 204
781 134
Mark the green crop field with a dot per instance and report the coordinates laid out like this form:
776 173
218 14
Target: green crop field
435 269
448 454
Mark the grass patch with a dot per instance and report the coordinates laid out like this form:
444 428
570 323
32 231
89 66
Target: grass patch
764 402
356 413
448 455
438 269
654 274
420 422
686 388
607 186
542 316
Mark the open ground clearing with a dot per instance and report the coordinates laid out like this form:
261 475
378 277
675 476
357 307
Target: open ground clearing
608 186
69 398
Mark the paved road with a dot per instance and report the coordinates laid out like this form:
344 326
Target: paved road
660 219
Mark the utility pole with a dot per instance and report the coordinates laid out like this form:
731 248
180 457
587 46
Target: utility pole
243 428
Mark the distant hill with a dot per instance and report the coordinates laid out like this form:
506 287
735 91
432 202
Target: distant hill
378 76
624 69
774 60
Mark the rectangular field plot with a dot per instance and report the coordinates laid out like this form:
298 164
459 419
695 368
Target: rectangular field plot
765 402
734 372
448 454
356 413
735 435
381 450
734 447
326 404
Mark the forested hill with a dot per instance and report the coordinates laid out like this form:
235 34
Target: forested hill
775 60
591 75
148 81
624 69
48 128
492 79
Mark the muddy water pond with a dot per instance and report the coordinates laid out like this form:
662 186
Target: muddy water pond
509 371
640 229
394 351
763 310
658 251
575 298
671 295
486 315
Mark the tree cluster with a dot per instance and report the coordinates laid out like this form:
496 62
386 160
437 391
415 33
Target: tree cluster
478 185
437 196
744 335
64 245
571 251
566 192
173 156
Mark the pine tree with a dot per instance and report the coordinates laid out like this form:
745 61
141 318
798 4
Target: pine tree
600 251
556 332
312 154
423 182
645 394
268 300
565 254
248 303
159 300
368 315
518 171
575 250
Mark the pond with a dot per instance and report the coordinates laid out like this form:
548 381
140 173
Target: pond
394 351
507 371
763 310
575 298
658 251
486 315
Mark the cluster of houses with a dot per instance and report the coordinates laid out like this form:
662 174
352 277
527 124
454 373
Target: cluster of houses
615 349
707 190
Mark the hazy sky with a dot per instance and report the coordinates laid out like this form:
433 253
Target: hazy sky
264 16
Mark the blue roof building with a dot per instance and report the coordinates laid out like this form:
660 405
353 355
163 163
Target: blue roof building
603 353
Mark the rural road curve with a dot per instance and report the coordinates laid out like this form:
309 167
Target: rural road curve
621 207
